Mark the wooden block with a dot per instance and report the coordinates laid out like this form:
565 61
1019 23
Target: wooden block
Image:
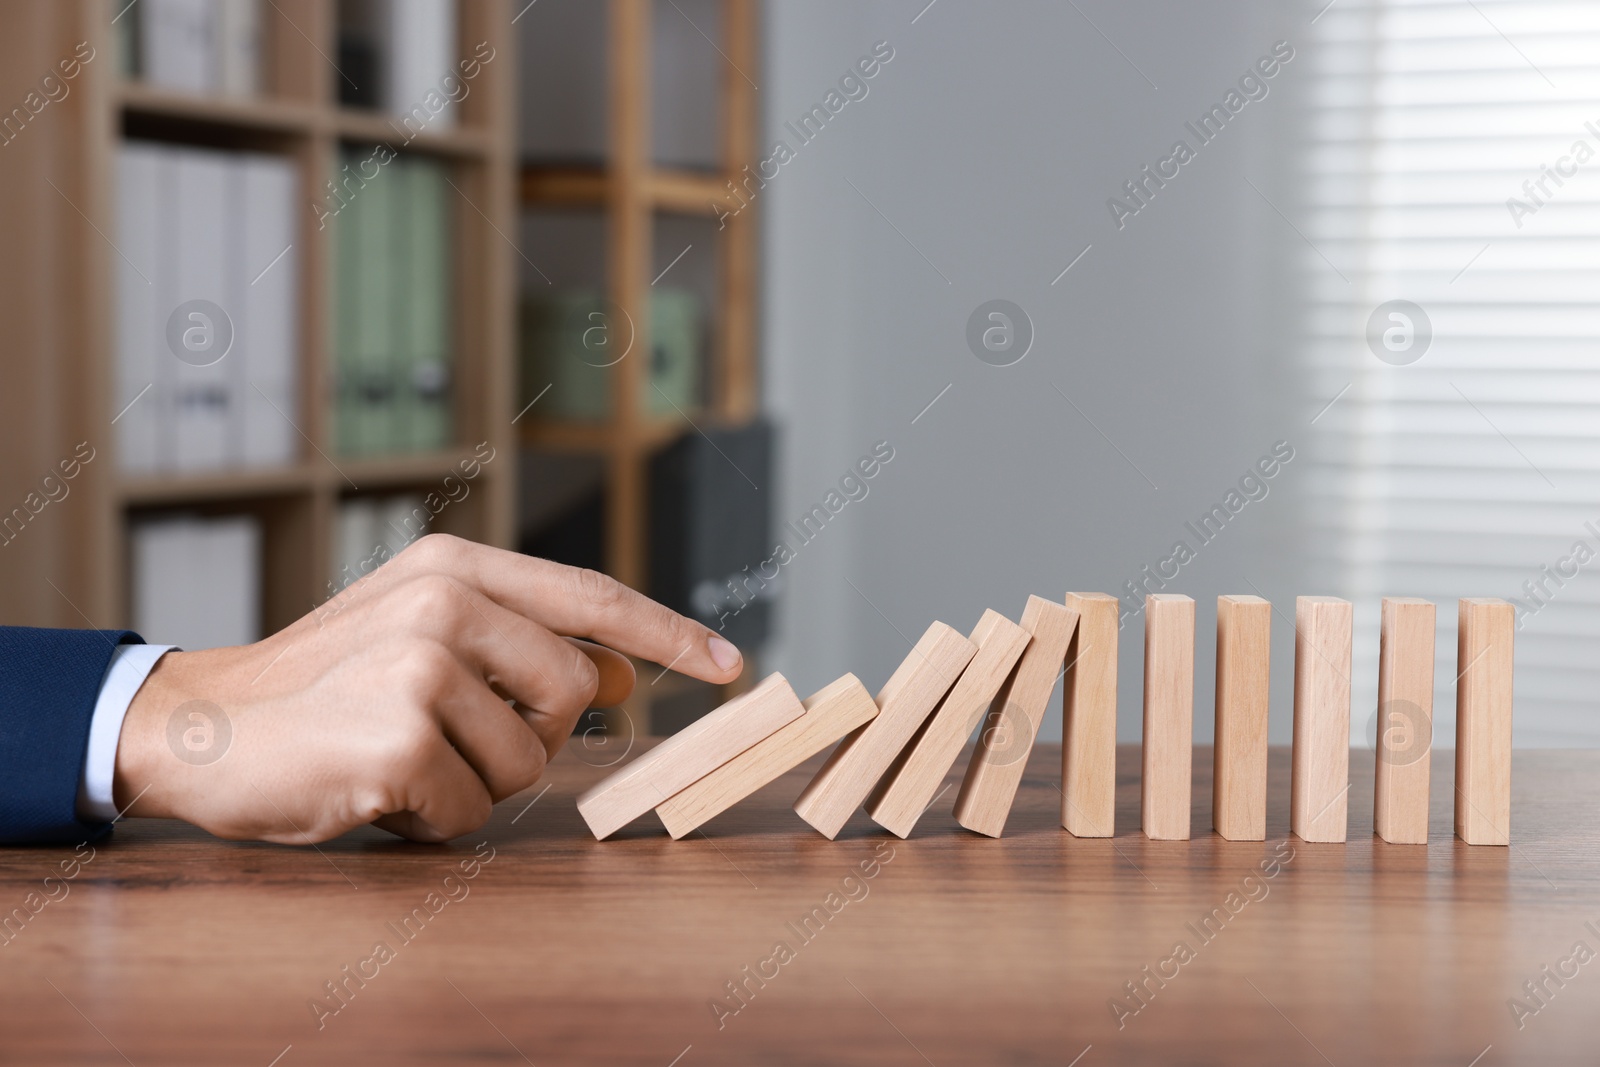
1405 720
1483 721
904 703
1089 718
908 788
1014 718
689 755
1244 670
1320 765
1168 716
830 713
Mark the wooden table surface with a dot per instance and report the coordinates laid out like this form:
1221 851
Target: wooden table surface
171 947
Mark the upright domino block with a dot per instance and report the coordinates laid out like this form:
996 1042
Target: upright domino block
830 713
1239 770
1089 718
1483 721
913 780
689 755
1168 716
1405 720
1014 718
1320 767
904 702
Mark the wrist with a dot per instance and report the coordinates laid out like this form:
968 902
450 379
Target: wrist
147 780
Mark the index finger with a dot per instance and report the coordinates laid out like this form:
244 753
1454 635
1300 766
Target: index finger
581 603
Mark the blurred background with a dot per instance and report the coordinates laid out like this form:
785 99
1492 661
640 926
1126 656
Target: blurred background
816 319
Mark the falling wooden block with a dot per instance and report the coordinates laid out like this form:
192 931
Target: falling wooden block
1320 764
1168 716
1405 720
908 788
1244 670
1089 718
689 755
904 702
1483 721
830 713
1014 718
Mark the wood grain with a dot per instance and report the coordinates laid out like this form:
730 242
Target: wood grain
1168 716
181 949
904 703
1484 666
909 786
1014 718
1405 720
1244 673
689 755
1089 718
831 713
1320 791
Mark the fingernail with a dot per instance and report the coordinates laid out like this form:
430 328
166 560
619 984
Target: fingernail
723 654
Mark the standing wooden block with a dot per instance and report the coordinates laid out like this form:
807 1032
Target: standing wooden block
1320 766
1244 670
1014 718
1405 720
1089 718
1483 721
905 792
1168 716
904 702
830 713
689 755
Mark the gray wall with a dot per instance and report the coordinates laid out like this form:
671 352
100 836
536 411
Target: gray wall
990 144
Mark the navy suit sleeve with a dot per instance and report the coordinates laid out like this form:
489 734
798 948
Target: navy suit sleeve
49 683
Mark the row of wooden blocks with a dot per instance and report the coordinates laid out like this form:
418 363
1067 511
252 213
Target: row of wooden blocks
897 748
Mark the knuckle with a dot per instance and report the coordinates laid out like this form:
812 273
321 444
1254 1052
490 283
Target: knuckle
601 590
423 669
434 598
407 750
432 552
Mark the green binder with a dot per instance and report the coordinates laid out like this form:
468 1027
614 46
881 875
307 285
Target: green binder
424 307
563 347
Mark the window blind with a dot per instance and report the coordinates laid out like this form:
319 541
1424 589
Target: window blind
1453 161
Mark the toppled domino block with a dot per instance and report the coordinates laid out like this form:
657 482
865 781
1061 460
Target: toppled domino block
1012 724
904 702
689 755
913 779
830 714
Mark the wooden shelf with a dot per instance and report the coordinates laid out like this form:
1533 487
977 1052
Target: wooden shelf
678 191
254 113
372 126
177 489
686 192
567 435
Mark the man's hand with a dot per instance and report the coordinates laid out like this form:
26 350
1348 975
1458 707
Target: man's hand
389 704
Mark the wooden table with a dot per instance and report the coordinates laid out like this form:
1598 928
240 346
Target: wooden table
171 947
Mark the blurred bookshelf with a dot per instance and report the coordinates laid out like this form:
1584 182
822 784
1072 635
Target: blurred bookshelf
627 238
265 137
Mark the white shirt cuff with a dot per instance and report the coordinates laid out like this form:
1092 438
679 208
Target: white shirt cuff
130 666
